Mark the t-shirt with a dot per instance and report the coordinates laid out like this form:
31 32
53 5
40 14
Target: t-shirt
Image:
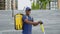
27 28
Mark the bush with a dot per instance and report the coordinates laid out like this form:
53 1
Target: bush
35 7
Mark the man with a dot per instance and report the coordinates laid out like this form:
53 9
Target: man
28 22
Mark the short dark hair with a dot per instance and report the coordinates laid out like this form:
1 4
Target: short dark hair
28 9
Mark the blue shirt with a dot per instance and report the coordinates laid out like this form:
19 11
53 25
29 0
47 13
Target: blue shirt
27 28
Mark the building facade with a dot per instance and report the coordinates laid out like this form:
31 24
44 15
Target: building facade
53 5
8 5
58 4
22 4
17 4
2 4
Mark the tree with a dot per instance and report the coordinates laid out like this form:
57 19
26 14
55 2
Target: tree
37 6
43 3
33 5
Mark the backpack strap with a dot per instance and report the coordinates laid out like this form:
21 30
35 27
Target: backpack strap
27 17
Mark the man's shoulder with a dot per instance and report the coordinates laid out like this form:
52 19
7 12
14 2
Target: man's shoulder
27 16
24 17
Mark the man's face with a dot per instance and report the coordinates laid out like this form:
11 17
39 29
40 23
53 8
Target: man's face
28 12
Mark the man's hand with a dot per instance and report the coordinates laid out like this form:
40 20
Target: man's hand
36 23
40 22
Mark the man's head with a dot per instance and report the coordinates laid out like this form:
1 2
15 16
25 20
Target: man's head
28 11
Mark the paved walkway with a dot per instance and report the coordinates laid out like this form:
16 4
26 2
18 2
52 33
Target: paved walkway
51 21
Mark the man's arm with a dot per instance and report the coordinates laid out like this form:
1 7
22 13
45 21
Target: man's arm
30 22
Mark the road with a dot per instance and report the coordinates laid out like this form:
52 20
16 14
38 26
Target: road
51 21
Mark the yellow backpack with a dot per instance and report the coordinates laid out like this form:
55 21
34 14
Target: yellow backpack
18 21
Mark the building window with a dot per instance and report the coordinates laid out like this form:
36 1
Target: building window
14 4
53 5
2 4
